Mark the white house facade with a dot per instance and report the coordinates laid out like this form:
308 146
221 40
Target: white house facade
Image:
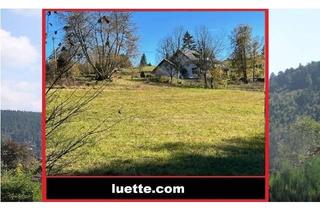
184 60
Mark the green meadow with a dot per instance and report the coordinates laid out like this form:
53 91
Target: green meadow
158 129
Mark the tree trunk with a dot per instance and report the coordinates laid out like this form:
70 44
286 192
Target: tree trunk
211 82
253 71
244 67
245 77
205 81
101 76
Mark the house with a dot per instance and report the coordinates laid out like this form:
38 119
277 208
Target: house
185 60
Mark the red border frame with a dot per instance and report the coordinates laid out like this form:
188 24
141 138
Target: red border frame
43 119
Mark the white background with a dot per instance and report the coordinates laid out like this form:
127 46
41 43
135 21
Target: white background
160 4
161 206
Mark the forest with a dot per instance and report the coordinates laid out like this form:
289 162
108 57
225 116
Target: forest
295 134
22 127
20 155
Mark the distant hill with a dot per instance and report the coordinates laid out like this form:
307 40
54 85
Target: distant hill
22 127
295 134
295 93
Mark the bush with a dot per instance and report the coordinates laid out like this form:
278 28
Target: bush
142 75
19 186
14 154
297 183
164 79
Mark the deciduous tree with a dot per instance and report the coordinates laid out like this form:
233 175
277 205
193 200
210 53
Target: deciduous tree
168 49
81 44
254 55
241 38
102 37
207 51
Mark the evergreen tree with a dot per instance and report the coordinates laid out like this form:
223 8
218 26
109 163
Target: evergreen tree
188 42
143 60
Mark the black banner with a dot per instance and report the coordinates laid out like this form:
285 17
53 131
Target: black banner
155 188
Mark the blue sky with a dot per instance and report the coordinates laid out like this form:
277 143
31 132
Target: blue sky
154 26
20 59
294 38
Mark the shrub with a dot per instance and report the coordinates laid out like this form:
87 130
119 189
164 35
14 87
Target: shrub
300 183
142 75
19 186
164 79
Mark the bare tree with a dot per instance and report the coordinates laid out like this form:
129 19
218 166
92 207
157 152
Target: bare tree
177 39
105 38
64 108
241 38
164 52
208 50
168 49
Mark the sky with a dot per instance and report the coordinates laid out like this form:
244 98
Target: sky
154 26
294 38
20 37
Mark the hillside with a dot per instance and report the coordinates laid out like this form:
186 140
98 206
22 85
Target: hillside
295 93
295 133
22 127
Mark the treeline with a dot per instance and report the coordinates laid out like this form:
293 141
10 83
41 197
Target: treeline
295 93
23 127
303 77
295 134
93 46
245 63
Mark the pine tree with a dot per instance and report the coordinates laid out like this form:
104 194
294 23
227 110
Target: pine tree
143 60
188 42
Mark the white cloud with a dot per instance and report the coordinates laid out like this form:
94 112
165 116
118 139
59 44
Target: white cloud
17 52
21 96
20 73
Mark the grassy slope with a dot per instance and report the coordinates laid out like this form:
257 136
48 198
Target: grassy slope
173 131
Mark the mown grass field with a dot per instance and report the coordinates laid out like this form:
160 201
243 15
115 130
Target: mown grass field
167 130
